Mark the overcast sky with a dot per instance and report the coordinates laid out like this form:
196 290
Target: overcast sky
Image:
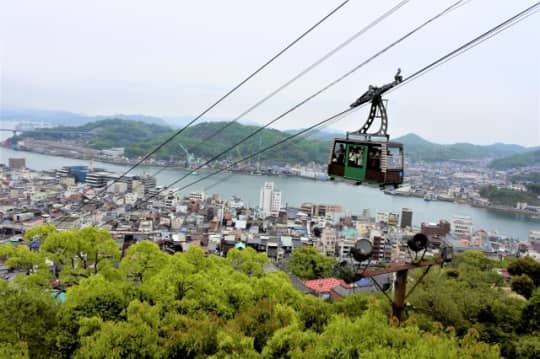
173 58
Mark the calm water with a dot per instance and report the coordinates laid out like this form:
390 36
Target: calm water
296 190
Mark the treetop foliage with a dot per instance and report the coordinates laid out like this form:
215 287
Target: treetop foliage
154 305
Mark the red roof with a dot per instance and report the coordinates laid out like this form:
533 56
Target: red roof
324 285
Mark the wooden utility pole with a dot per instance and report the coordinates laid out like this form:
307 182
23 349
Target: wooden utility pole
400 284
400 289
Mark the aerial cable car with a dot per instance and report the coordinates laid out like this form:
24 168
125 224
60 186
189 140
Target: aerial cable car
362 160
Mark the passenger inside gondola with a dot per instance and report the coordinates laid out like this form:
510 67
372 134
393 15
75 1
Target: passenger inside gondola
340 154
374 160
355 157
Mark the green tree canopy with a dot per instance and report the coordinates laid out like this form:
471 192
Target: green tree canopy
308 263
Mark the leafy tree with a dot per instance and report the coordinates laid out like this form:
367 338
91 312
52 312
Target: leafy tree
231 344
525 347
262 320
142 261
308 263
27 322
80 253
313 313
247 261
476 259
137 337
353 305
289 342
21 258
531 314
91 297
523 285
14 351
39 233
528 266
191 305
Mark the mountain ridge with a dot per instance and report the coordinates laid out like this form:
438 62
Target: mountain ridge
139 138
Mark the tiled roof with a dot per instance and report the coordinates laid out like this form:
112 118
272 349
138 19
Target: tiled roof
324 285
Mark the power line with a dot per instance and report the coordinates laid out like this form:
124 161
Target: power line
325 88
303 137
301 74
240 84
467 46
460 50
221 99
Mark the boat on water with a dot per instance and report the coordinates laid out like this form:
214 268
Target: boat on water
430 196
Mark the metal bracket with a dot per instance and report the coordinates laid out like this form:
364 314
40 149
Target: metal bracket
377 111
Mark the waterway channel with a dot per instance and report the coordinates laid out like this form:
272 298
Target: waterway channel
295 191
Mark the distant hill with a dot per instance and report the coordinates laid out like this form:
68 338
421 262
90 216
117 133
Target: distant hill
139 138
526 159
67 118
419 149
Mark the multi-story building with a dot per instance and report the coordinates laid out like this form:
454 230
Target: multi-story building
328 241
381 217
199 196
406 218
17 163
534 239
462 226
440 229
393 219
79 173
332 211
149 182
269 200
382 249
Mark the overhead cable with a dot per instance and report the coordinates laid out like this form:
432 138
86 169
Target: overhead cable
240 84
460 50
325 88
221 99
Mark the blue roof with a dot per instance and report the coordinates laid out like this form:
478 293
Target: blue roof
239 245
362 282
59 295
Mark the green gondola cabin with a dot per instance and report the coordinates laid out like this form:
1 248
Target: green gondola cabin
366 162
363 161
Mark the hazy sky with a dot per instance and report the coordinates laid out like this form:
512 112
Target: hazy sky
173 58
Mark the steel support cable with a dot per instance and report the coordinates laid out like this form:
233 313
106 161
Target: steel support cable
300 75
236 87
338 115
303 137
447 10
465 47
418 281
221 99
325 88
286 139
522 15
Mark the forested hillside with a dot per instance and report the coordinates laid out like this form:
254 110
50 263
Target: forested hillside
139 138
419 149
527 159
155 305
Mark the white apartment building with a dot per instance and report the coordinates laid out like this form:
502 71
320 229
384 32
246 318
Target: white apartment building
462 226
269 200
328 241
382 216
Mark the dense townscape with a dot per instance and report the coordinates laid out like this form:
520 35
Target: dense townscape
134 208
289 274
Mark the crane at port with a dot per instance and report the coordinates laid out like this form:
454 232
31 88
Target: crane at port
189 156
